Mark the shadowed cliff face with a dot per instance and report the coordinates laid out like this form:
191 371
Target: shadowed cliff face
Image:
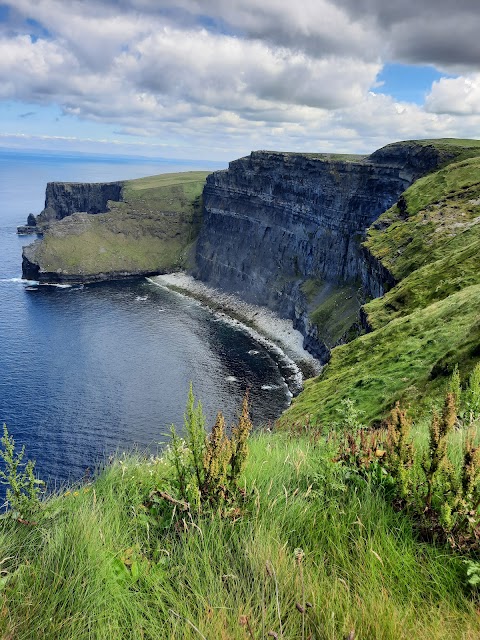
62 199
273 221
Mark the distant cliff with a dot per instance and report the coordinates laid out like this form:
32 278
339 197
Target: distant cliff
285 230
140 227
62 199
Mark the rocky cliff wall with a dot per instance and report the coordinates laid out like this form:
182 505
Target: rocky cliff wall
274 221
62 199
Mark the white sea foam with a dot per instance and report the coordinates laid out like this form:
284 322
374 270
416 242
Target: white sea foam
30 283
276 334
231 379
57 285
253 352
141 298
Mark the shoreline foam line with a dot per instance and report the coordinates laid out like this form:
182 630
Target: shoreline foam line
276 334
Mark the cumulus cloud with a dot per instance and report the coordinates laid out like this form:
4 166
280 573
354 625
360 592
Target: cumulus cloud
457 96
243 74
439 32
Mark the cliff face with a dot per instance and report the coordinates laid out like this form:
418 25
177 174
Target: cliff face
275 221
62 199
141 227
279 229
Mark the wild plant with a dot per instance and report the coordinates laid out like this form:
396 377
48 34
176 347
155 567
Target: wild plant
443 500
461 512
472 394
455 388
361 449
216 459
196 435
435 461
206 467
239 447
23 488
349 416
399 450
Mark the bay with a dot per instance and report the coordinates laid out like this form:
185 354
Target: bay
87 372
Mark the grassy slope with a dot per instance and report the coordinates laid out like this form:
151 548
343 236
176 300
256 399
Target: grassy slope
431 319
71 577
150 231
332 308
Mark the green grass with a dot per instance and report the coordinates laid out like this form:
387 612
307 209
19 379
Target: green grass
152 230
333 309
336 313
96 567
440 207
408 359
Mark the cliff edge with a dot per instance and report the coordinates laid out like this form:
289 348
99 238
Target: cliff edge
139 227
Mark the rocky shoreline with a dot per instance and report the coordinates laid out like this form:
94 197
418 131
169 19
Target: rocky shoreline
265 326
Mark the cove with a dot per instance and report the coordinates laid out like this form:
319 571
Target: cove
90 371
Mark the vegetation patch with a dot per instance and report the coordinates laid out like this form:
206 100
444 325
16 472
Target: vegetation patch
236 537
152 230
336 313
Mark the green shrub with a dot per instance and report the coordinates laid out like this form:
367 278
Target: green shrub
23 489
207 466
444 500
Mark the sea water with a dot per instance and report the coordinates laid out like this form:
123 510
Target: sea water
90 371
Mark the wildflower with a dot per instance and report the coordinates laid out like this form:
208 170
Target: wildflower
67 493
75 494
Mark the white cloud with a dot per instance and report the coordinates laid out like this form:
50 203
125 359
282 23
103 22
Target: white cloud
227 77
457 96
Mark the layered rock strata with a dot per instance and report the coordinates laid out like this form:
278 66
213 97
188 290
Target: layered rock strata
275 222
63 199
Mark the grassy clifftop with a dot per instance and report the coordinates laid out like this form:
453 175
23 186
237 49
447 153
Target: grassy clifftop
151 230
106 561
430 321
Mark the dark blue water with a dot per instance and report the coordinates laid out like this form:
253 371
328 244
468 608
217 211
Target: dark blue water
86 372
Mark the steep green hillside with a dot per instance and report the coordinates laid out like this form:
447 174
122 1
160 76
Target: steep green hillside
430 242
150 231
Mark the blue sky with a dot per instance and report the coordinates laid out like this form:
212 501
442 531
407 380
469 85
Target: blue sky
214 80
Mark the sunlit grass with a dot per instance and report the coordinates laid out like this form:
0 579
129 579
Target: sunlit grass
362 568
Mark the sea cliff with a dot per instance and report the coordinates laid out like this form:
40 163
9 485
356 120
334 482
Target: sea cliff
285 230
140 227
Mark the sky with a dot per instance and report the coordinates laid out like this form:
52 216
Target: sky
216 79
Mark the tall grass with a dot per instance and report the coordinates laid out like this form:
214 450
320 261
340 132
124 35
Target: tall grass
97 565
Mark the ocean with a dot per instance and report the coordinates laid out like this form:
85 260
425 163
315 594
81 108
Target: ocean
87 372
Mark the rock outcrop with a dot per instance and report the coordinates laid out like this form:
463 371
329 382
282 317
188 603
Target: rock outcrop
274 221
62 199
